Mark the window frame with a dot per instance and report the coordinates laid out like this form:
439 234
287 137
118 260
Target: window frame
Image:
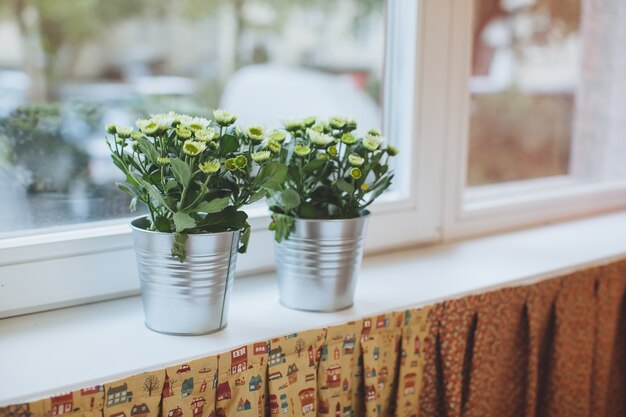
496 208
92 262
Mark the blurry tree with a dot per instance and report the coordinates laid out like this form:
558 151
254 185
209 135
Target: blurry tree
55 30
564 17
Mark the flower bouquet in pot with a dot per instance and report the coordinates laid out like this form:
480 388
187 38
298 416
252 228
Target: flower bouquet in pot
320 212
194 176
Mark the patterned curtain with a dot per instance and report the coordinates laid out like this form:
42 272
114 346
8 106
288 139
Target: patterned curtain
555 348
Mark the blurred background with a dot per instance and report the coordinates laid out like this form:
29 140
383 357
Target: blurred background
69 67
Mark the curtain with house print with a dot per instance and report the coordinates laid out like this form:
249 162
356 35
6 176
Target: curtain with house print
555 348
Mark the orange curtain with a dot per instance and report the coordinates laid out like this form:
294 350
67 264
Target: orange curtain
555 348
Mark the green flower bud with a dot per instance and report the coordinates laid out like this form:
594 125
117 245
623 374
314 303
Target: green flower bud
374 132
163 161
355 173
348 138
365 187
302 150
292 125
332 150
392 150
230 164
355 160
322 156
241 161
309 121
111 129
120 141
210 167
136 135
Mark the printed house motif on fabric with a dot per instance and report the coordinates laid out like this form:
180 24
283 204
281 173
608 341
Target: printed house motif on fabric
292 373
242 383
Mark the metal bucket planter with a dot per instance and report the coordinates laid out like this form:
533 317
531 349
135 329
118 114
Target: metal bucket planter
187 298
317 266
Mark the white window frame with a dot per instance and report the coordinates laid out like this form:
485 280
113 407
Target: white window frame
428 51
95 261
495 208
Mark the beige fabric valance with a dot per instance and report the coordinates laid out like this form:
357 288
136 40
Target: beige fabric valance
556 348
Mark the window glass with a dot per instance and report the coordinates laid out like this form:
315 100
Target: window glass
524 86
69 67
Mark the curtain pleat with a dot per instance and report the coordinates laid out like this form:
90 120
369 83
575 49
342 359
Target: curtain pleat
499 358
556 348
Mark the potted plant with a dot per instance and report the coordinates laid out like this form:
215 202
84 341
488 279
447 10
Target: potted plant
320 212
194 176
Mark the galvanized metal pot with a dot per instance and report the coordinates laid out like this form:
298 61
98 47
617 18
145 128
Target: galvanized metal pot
317 266
187 298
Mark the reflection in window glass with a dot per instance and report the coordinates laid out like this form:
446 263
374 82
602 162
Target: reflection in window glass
69 67
525 78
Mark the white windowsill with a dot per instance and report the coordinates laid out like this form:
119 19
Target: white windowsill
46 353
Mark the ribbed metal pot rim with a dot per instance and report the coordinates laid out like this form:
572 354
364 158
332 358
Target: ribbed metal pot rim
365 214
144 217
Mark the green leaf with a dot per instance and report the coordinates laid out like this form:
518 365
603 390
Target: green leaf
214 206
228 144
162 224
314 165
378 189
289 200
126 188
170 185
244 239
133 204
178 247
271 176
181 171
154 192
307 211
257 196
345 186
183 221
282 226
119 163
148 149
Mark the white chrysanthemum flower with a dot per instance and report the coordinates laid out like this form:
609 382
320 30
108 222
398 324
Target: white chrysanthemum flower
206 135
320 139
355 160
210 167
374 132
260 156
124 131
302 150
274 146
337 122
278 136
147 126
193 148
198 123
371 143
224 118
165 120
256 132
291 125
183 131
136 135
